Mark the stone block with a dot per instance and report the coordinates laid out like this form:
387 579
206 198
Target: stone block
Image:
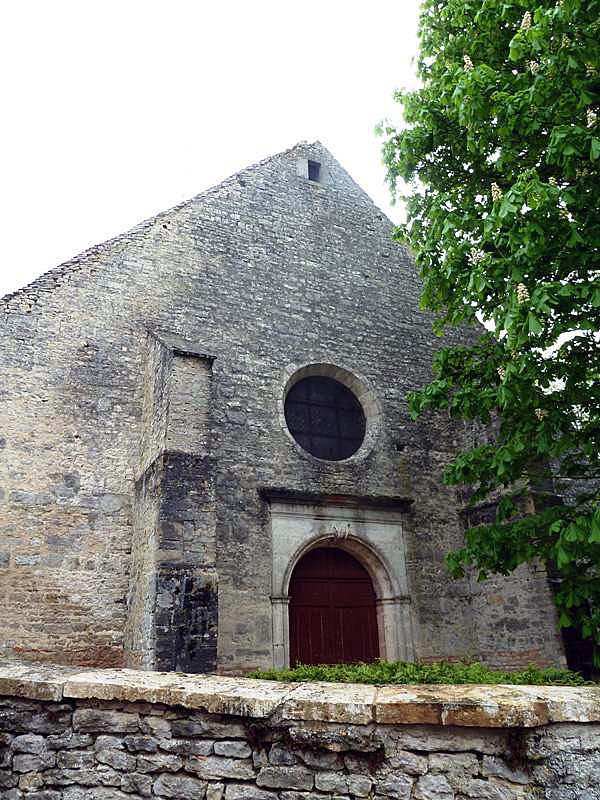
156 726
31 781
68 741
490 790
232 749
8 779
286 778
465 763
45 794
212 767
300 796
335 782
187 747
100 720
109 743
433 787
159 762
208 727
117 759
33 762
281 756
359 785
74 759
241 791
496 767
134 782
398 787
28 743
214 791
182 787
140 744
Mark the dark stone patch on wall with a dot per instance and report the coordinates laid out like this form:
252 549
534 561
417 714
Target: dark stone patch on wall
186 619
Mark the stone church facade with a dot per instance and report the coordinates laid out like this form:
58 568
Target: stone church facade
194 409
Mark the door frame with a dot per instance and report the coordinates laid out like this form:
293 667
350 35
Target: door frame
374 537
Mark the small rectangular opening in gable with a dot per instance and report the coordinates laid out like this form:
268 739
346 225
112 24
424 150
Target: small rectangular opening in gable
314 171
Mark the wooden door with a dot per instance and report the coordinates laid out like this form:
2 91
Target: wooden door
333 618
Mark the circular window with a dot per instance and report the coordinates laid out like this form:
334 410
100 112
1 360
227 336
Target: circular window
325 418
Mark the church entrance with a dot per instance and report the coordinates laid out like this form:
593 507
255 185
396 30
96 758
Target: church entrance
333 617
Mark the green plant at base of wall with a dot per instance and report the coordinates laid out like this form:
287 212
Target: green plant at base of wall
405 672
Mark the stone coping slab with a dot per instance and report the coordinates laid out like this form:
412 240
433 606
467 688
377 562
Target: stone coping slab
500 706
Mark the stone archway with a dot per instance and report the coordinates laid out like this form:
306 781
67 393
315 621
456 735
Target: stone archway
373 537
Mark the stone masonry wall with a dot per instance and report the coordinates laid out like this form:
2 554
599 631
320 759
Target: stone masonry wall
251 740
141 389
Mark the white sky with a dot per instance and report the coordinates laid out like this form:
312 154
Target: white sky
114 111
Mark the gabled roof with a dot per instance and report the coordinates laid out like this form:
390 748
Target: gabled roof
25 298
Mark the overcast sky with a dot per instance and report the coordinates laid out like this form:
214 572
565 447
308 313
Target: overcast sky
114 111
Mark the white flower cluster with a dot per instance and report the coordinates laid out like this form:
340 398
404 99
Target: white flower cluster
591 118
541 413
534 67
552 180
501 372
476 256
496 192
522 294
468 63
526 21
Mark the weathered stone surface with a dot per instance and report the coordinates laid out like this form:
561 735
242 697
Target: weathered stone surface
186 747
45 794
214 791
241 791
134 782
490 790
359 785
69 741
233 749
335 782
30 762
140 744
285 778
322 760
98 720
496 767
281 756
466 763
117 759
219 767
38 682
345 703
28 743
433 787
31 781
208 727
159 762
182 787
396 786
75 759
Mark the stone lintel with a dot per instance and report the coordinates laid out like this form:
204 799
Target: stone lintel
281 495
352 704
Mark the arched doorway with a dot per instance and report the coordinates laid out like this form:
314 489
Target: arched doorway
333 617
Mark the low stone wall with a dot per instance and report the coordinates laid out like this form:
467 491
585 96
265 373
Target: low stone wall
122 734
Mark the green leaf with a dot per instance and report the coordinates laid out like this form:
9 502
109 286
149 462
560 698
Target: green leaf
534 324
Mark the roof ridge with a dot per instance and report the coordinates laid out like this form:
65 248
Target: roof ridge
53 278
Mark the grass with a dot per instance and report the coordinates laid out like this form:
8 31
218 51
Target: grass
406 672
